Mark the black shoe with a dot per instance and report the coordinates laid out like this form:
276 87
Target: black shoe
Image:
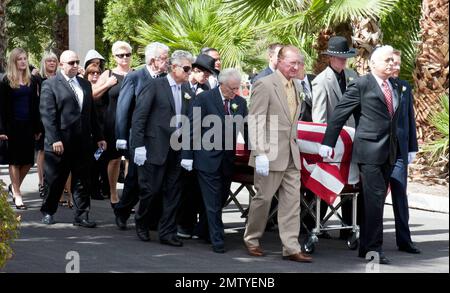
121 224
218 249
84 223
410 249
174 241
142 233
384 260
48 219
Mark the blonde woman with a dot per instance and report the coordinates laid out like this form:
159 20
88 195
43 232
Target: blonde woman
49 65
108 86
19 120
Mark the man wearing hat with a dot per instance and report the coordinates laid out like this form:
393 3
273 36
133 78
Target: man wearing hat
327 90
191 198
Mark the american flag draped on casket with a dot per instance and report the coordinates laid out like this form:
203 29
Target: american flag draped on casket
326 177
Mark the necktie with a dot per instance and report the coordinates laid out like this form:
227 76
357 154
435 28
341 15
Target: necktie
388 97
291 99
305 89
71 81
225 107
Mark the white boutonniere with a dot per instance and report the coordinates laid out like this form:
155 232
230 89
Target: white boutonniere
199 91
187 96
350 79
234 107
404 89
302 95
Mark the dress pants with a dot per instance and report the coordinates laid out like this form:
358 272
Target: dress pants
56 171
191 201
130 197
215 189
288 185
398 180
157 179
375 180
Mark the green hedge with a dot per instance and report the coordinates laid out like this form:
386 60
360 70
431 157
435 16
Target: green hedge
9 226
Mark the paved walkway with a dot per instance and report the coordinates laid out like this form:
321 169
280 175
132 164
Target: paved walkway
43 248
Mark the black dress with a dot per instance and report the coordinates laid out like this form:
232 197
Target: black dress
19 120
110 98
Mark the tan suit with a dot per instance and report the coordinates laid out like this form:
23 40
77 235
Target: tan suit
327 94
269 103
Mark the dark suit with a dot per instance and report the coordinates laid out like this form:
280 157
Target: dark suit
305 114
191 203
407 142
131 86
161 172
267 71
76 128
215 167
374 149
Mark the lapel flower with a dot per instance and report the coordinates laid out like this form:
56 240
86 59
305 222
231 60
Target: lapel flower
350 79
301 96
404 89
199 91
234 107
187 96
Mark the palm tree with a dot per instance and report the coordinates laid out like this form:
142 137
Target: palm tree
431 72
323 18
3 35
193 24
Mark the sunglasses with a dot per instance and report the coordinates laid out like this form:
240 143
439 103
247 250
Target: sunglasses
72 63
94 72
123 55
186 68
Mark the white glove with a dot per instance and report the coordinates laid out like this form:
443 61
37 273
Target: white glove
121 144
140 156
325 151
187 164
262 165
411 157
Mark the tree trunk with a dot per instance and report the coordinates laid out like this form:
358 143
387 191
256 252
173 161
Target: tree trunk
366 35
3 35
61 28
431 73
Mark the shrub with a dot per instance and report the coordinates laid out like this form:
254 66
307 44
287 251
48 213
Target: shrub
9 225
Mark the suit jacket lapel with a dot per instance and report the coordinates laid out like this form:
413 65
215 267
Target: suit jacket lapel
65 84
168 93
334 83
184 101
85 94
397 93
218 101
279 91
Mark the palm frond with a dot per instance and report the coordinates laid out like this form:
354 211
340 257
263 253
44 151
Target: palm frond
439 148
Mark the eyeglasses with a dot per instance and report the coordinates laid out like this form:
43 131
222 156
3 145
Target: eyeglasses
94 72
186 69
123 55
72 63
232 88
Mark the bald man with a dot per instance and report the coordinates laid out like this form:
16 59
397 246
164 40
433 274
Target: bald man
70 122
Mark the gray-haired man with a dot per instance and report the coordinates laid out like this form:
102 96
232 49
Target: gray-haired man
158 163
156 59
215 166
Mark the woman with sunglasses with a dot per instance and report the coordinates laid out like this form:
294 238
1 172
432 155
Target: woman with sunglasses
108 86
19 120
